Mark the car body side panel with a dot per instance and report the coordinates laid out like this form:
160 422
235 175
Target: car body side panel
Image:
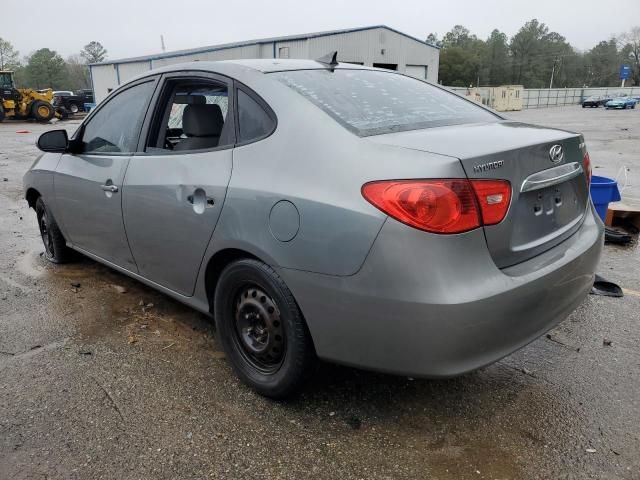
41 178
92 216
437 306
167 218
317 165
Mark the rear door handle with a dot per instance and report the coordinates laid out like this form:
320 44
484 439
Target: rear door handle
109 188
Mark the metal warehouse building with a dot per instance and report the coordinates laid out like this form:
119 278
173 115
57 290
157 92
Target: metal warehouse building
377 46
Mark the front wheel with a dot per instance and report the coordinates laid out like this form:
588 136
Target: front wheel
42 111
55 247
262 329
73 108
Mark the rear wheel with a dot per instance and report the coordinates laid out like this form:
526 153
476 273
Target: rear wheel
55 248
1 113
42 111
262 329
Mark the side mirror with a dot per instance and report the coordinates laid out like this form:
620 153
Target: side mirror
54 141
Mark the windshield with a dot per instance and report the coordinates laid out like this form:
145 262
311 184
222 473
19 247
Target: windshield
370 102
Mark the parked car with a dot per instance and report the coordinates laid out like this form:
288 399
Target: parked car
73 103
331 210
594 102
62 93
621 102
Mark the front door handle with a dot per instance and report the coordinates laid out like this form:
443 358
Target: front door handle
109 188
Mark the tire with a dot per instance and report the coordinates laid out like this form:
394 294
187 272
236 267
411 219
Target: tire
262 329
1 113
55 246
42 111
584 106
73 108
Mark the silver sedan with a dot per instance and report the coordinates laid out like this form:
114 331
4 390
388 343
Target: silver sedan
327 211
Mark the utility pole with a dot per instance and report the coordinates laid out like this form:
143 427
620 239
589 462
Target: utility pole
162 43
553 70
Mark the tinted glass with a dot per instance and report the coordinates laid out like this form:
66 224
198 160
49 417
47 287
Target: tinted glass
253 121
116 126
370 102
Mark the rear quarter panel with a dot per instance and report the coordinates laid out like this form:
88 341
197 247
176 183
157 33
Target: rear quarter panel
320 167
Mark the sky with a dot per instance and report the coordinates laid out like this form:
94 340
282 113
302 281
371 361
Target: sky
133 27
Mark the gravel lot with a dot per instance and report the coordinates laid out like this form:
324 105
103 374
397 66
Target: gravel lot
100 384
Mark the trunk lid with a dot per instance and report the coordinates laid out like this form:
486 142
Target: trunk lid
549 196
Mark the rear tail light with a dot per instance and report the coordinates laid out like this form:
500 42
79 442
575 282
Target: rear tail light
494 197
586 166
441 206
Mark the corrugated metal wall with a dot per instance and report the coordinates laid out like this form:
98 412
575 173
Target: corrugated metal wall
129 70
103 77
251 51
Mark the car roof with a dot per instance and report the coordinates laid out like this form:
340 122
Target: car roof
230 67
267 65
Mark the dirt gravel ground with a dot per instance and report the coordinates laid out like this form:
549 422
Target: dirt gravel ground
103 378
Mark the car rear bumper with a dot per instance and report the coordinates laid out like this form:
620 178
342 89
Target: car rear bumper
439 306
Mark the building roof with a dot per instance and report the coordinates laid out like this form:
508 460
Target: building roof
224 46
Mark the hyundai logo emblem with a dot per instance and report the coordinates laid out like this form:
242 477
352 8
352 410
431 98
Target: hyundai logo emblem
556 154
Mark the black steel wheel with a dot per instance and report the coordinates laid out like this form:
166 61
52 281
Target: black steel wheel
259 333
55 248
262 329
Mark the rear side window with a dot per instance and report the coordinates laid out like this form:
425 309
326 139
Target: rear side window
254 122
192 114
116 126
370 102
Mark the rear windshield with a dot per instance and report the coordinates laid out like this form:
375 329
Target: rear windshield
370 102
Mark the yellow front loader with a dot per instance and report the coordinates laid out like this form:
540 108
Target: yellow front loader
24 103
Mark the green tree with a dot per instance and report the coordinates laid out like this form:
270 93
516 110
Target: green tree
78 73
602 64
526 49
8 56
539 54
94 52
497 59
47 69
629 43
432 39
461 58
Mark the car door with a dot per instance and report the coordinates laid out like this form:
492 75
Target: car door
174 190
88 184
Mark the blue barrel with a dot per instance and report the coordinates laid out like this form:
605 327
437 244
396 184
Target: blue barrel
603 191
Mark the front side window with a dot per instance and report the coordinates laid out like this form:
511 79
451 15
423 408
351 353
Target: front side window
253 120
116 126
370 102
193 116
